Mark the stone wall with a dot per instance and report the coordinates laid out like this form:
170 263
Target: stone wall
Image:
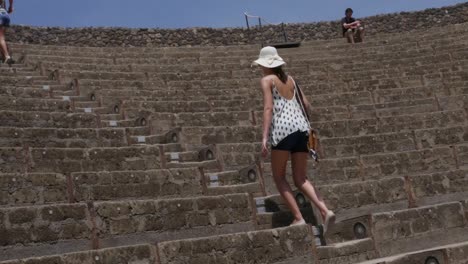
97 37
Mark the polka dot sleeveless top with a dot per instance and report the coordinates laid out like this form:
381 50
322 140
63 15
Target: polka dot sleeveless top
287 117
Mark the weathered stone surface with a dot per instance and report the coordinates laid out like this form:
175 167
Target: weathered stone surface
260 247
458 254
120 218
95 159
141 254
24 189
136 184
392 134
354 195
413 229
28 225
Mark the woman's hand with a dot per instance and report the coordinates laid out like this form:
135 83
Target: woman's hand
264 148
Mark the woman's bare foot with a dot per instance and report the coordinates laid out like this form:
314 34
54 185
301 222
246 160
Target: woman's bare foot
298 222
329 221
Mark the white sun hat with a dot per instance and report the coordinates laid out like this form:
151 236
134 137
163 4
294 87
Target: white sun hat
269 58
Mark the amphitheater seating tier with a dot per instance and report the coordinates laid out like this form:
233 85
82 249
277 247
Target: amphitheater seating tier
151 155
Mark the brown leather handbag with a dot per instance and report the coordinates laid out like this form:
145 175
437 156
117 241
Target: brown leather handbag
312 144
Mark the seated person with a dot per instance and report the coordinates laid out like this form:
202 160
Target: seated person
352 28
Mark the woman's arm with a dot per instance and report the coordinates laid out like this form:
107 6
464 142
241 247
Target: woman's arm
308 107
10 7
267 106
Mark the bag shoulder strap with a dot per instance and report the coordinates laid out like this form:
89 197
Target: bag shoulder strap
300 100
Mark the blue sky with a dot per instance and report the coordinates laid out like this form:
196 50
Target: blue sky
199 13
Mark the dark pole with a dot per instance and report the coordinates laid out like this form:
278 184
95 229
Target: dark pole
260 21
284 33
247 21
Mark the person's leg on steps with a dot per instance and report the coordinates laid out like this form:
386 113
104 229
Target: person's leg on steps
3 45
299 169
350 36
279 161
360 34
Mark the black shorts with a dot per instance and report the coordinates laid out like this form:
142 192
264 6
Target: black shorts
296 142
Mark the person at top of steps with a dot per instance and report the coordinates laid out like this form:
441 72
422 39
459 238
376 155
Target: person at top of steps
4 24
286 128
353 30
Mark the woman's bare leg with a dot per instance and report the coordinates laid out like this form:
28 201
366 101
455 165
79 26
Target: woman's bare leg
279 161
299 168
3 45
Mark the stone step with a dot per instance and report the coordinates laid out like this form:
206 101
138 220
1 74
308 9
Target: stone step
267 246
292 248
207 164
347 252
231 118
402 123
18 72
138 59
245 175
126 123
97 110
66 93
24 92
87 104
129 254
186 156
69 95
142 135
419 228
48 119
174 80
111 117
348 195
362 84
151 139
252 188
17 66
451 133
213 63
186 77
364 167
452 253
32 188
366 76
98 186
65 160
69 227
346 104
18 189
63 138
34 104
139 130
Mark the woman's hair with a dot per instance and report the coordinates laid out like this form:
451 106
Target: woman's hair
279 72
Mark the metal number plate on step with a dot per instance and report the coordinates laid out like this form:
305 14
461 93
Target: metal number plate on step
66 98
46 87
141 139
113 123
88 110
175 157
214 180
260 203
